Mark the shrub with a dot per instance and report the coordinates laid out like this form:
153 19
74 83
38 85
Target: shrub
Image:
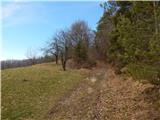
147 72
89 64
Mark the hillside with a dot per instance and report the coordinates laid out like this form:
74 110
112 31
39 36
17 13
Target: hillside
28 93
107 96
45 92
95 60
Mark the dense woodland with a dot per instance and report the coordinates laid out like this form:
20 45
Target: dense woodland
127 36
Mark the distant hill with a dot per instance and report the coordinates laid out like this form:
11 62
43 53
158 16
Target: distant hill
25 62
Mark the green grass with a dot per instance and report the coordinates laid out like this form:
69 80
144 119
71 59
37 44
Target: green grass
145 72
28 93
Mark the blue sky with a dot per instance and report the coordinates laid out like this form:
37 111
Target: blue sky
28 25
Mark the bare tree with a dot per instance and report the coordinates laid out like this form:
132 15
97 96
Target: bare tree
52 48
80 35
31 55
64 45
71 43
56 48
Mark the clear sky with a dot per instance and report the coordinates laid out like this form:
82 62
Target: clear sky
28 25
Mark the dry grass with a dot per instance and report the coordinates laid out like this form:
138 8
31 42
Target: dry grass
30 92
110 97
45 92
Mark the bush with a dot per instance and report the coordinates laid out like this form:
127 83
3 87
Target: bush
118 66
89 64
82 64
147 72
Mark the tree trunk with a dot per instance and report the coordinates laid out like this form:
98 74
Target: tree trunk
63 61
64 65
155 17
56 59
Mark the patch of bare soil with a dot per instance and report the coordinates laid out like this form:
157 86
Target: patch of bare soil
106 96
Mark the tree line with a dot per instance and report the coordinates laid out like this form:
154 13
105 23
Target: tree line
128 34
130 31
72 43
5 64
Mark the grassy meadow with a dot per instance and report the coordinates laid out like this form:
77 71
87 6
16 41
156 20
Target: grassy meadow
28 93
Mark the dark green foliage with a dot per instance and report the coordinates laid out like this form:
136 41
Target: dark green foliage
102 35
134 36
80 53
143 71
155 43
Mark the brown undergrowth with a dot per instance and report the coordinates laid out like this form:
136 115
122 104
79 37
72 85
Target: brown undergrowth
107 96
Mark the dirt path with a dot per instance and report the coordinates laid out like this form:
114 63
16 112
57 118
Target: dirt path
106 96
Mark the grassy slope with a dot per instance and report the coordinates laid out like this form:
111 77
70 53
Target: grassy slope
29 92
